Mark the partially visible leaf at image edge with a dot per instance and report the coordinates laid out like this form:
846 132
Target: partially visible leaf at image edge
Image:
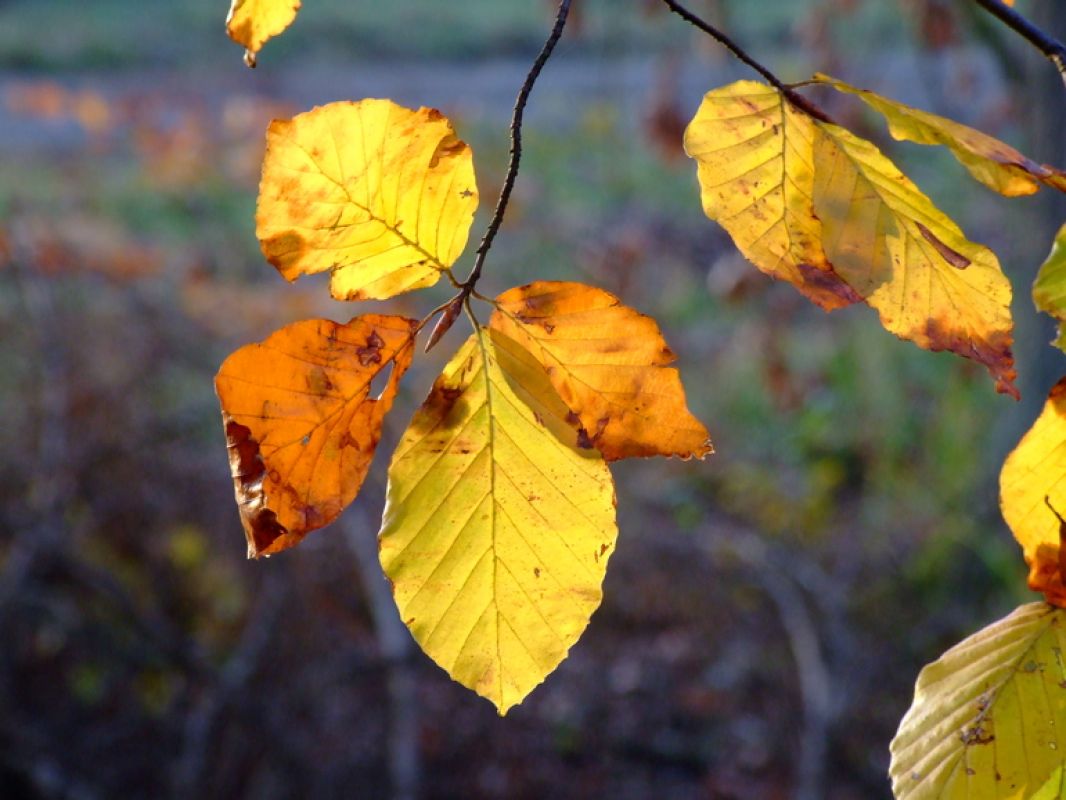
610 366
808 202
1032 497
379 195
497 526
1049 290
300 423
989 716
251 23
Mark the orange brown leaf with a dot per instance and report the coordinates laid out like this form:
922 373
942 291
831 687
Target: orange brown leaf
1032 496
610 366
301 424
379 195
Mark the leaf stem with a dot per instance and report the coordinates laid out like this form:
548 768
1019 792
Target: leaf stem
1046 44
516 147
793 97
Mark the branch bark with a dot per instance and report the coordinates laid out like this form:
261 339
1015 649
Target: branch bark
1051 47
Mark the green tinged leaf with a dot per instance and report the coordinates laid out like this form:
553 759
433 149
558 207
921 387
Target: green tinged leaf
1049 290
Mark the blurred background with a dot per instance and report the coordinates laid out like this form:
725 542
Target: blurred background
766 612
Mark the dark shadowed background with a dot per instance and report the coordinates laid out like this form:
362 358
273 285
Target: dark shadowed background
766 612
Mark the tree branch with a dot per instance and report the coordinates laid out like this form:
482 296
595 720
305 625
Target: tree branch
1048 45
516 149
794 97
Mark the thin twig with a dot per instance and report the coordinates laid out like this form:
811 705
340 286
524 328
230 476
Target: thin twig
516 146
794 97
1046 44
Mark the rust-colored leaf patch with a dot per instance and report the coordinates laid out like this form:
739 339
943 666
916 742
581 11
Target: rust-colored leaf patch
301 426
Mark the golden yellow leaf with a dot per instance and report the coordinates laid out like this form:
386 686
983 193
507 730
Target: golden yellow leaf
809 202
907 258
609 365
988 721
994 163
300 423
1032 496
251 22
497 526
380 195
755 159
1049 290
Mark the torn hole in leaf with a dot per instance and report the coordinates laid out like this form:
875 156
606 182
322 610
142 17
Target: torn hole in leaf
380 382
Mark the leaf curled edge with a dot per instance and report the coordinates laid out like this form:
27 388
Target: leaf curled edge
301 427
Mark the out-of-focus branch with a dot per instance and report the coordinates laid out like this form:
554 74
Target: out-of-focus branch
397 650
1042 41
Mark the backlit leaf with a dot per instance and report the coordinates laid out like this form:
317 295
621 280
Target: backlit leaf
808 202
301 424
1049 290
755 159
497 525
251 22
609 365
380 195
994 163
1032 496
989 716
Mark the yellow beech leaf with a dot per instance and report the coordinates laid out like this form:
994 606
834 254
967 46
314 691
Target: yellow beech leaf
609 365
497 526
773 175
1032 496
907 258
1049 290
380 195
301 424
988 721
755 159
994 163
251 22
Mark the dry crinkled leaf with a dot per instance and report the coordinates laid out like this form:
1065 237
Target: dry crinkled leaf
1032 496
497 526
808 202
301 424
380 195
1049 290
989 716
609 365
994 163
251 22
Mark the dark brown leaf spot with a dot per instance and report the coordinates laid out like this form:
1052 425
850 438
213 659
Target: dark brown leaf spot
956 259
371 352
826 288
536 572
